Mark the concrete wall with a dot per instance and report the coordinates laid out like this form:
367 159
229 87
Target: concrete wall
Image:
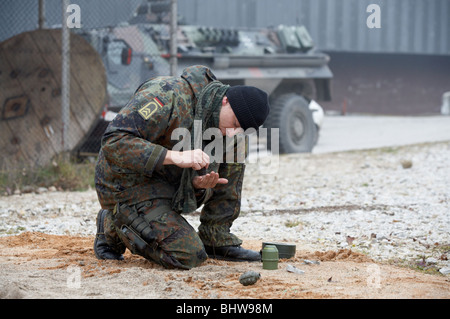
396 84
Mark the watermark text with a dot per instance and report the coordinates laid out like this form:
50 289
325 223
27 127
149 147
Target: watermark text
374 19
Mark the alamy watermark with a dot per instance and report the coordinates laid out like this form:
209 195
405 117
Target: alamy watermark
73 20
374 19
374 278
235 145
74 277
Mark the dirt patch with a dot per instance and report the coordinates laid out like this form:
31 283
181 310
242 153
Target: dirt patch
37 265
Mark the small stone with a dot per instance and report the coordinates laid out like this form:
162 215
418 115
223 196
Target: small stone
41 190
294 270
27 189
406 164
311 262
350 239
343 244
445 271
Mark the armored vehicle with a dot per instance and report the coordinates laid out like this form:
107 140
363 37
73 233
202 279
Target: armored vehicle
280 60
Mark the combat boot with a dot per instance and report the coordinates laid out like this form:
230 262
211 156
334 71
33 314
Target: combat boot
232 253
102 249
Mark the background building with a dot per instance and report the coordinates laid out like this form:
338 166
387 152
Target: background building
399 68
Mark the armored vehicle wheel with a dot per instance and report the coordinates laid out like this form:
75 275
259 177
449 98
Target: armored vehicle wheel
291 114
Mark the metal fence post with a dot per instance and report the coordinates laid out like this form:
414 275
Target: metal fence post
41 14
173 38
65 76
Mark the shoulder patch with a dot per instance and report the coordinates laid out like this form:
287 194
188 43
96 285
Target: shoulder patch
151 107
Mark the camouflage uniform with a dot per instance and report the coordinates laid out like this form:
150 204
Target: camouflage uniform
131 180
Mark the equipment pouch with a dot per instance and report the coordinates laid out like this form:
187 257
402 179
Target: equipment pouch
133 229
134 242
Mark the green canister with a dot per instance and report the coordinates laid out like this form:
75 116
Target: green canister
270 257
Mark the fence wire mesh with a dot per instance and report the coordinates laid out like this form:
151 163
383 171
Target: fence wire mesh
114 46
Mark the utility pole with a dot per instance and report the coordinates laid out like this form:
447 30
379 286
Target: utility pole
173 38
41 14
65 76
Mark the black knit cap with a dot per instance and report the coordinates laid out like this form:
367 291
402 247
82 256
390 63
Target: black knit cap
249 104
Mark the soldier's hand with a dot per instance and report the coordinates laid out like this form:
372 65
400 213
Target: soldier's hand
209 180
196 159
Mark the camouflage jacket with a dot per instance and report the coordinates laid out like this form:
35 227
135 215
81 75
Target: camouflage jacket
129 167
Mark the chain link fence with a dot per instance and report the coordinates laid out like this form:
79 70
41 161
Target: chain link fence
68 66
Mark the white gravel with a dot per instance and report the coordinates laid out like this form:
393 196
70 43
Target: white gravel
363 200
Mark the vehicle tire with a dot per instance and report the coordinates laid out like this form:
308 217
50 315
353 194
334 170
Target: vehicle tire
297 131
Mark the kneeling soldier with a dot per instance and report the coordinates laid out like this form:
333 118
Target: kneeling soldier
144 186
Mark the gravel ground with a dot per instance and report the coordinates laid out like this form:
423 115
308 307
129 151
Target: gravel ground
389 203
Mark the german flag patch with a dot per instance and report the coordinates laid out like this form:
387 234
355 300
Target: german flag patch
150 108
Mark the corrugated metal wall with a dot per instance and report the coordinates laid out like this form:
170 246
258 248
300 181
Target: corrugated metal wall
407 26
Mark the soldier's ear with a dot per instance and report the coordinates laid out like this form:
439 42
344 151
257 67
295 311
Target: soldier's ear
224 101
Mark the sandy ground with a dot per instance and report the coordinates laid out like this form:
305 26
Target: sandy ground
37 265
42 265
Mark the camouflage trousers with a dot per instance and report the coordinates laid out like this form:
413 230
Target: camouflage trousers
164 237
156 232
223 208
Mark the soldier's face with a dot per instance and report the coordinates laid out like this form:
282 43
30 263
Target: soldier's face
228 123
